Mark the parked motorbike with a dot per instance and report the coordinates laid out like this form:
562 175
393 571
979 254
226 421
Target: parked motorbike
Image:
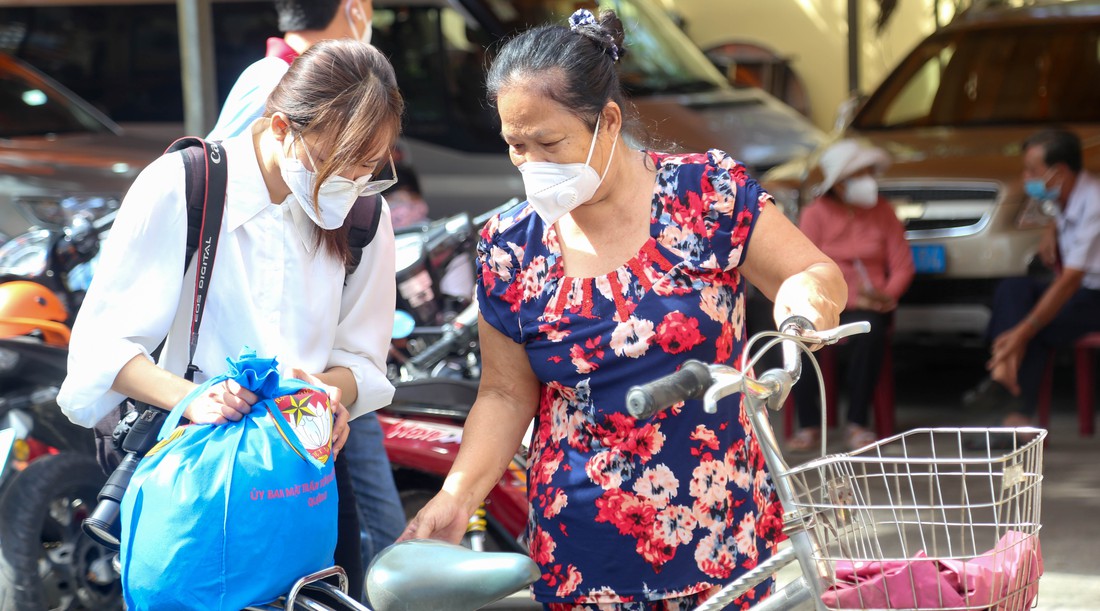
49 477
435 281
47 562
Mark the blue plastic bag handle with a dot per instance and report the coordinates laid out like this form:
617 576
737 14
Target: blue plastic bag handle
261 376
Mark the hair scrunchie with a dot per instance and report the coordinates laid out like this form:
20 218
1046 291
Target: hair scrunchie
584 17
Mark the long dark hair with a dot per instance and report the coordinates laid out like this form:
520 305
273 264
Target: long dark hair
346 92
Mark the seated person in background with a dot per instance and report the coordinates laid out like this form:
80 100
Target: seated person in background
858 230
407 206
1031 316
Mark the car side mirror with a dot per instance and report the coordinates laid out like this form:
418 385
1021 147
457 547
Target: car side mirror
847 111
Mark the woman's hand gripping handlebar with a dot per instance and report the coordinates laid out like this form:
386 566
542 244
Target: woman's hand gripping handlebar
695 380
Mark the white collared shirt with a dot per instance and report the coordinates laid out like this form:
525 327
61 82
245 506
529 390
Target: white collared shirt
272 290
247 100
1079 230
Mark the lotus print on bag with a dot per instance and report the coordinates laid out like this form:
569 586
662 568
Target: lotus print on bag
309 414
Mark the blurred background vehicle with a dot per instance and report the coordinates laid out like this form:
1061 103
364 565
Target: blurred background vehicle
58 156
453 136
953 116
798 51
49 477
802 52
124 56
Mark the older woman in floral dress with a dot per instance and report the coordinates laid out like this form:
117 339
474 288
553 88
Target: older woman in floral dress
622 264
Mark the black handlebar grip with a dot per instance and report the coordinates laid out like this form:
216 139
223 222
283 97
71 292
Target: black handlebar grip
689 382
435 352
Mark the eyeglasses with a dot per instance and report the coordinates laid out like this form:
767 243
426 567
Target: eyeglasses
374 187
369 187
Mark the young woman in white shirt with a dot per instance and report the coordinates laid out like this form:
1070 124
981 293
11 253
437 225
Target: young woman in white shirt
278 285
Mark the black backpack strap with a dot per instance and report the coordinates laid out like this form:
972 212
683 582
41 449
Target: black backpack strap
206 176
362 224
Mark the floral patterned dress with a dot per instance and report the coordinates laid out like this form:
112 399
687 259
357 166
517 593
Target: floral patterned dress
626 510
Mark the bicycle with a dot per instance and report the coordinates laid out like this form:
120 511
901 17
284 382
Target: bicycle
417 574
861 510
871 509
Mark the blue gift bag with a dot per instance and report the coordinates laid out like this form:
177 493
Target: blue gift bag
225 516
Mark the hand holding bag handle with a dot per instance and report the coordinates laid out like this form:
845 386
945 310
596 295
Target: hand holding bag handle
261 376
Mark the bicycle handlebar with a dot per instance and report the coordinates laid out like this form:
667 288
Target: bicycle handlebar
689 382
694 378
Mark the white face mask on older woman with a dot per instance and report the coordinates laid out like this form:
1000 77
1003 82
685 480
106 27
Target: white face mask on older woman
861 191
555 189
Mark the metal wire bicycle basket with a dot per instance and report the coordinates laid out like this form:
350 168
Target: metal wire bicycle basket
928 519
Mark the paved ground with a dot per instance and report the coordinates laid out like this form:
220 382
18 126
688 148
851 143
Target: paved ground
1071 488
929 384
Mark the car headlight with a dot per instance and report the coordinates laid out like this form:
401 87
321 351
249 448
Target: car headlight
25 255
59 211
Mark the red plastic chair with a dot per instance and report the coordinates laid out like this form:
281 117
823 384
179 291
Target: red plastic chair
1083 366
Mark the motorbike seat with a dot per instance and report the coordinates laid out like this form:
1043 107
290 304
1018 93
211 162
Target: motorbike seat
413 410
434 397
428 574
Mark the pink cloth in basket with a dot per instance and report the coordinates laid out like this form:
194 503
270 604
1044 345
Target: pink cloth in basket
926 583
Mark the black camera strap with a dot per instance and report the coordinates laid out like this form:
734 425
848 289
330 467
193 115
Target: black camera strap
205 179
206 176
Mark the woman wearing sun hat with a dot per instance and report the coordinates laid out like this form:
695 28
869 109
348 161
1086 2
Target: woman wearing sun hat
858 229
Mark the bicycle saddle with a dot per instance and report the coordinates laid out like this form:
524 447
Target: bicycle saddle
427 574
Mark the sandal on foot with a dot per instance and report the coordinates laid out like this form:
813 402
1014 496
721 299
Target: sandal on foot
856 437
805 440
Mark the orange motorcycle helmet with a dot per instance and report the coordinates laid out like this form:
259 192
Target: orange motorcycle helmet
28 308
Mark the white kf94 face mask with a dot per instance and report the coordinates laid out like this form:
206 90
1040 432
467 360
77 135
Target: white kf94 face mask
337 194
555 189
861 191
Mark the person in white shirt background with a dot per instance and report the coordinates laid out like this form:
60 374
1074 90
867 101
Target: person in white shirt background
278 284
1033 315
305 23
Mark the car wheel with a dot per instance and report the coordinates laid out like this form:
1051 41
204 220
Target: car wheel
46 560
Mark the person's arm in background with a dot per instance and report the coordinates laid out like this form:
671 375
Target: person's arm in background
1009 347
899 259
786 266
1048 247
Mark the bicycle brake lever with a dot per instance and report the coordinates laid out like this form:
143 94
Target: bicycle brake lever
832 336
